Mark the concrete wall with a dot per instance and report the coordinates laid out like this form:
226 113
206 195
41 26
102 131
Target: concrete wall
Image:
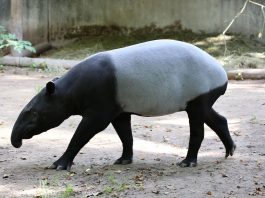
27 19
210 16
47 20
5 12
35 20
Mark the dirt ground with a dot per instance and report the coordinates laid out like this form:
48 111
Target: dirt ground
159 144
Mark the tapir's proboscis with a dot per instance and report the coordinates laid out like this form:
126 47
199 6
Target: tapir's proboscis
154 78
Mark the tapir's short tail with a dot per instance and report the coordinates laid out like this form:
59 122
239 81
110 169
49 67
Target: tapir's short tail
223 88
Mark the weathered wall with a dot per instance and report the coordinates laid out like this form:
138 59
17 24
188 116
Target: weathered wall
4 12
35 20
208 16
46 20
199 15
28 19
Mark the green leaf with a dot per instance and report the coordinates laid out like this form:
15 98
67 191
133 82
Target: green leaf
3 46
30 48
10 40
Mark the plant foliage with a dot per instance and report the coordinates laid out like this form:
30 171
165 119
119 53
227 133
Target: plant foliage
10 40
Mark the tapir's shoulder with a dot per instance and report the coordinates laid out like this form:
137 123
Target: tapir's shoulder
98 60
92 71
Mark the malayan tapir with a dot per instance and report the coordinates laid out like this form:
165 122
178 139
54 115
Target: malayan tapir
153 78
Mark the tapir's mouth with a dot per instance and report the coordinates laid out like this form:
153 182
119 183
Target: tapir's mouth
28 135
17 140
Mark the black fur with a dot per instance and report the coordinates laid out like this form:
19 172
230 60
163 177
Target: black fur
200 111
93 94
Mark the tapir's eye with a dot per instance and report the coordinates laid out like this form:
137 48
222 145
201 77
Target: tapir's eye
34 116
34 113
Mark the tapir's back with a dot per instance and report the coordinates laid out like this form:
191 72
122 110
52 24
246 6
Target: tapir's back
160 77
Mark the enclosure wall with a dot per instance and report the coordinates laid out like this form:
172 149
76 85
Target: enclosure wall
5 12
47 20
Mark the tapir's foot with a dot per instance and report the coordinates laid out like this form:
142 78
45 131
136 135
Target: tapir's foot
61 165
123 161
230 151
188 163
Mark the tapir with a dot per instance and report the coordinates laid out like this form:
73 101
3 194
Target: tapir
153 78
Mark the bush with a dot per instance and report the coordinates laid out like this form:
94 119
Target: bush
10 40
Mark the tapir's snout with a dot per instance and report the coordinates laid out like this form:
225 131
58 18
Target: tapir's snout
16 144
15 140
19 133
24 128
16 135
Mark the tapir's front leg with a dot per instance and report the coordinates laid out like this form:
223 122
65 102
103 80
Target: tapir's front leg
88 127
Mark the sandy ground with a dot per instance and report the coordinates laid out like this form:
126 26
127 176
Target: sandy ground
159 144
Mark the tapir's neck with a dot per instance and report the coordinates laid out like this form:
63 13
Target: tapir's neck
70 98
74 86
73 105
90 86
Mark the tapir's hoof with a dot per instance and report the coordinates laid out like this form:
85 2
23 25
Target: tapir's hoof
61 166
188 163
230 151
123 161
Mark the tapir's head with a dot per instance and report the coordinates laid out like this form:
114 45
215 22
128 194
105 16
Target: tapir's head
45 111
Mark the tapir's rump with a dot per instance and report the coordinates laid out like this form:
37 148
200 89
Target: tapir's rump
159 77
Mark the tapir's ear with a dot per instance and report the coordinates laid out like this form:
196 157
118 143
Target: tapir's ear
50 88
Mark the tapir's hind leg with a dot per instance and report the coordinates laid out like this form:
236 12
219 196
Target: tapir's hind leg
122 125
200 111
219 125
196 113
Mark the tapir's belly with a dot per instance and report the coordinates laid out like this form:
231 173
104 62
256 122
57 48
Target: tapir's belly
161 77
154 96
